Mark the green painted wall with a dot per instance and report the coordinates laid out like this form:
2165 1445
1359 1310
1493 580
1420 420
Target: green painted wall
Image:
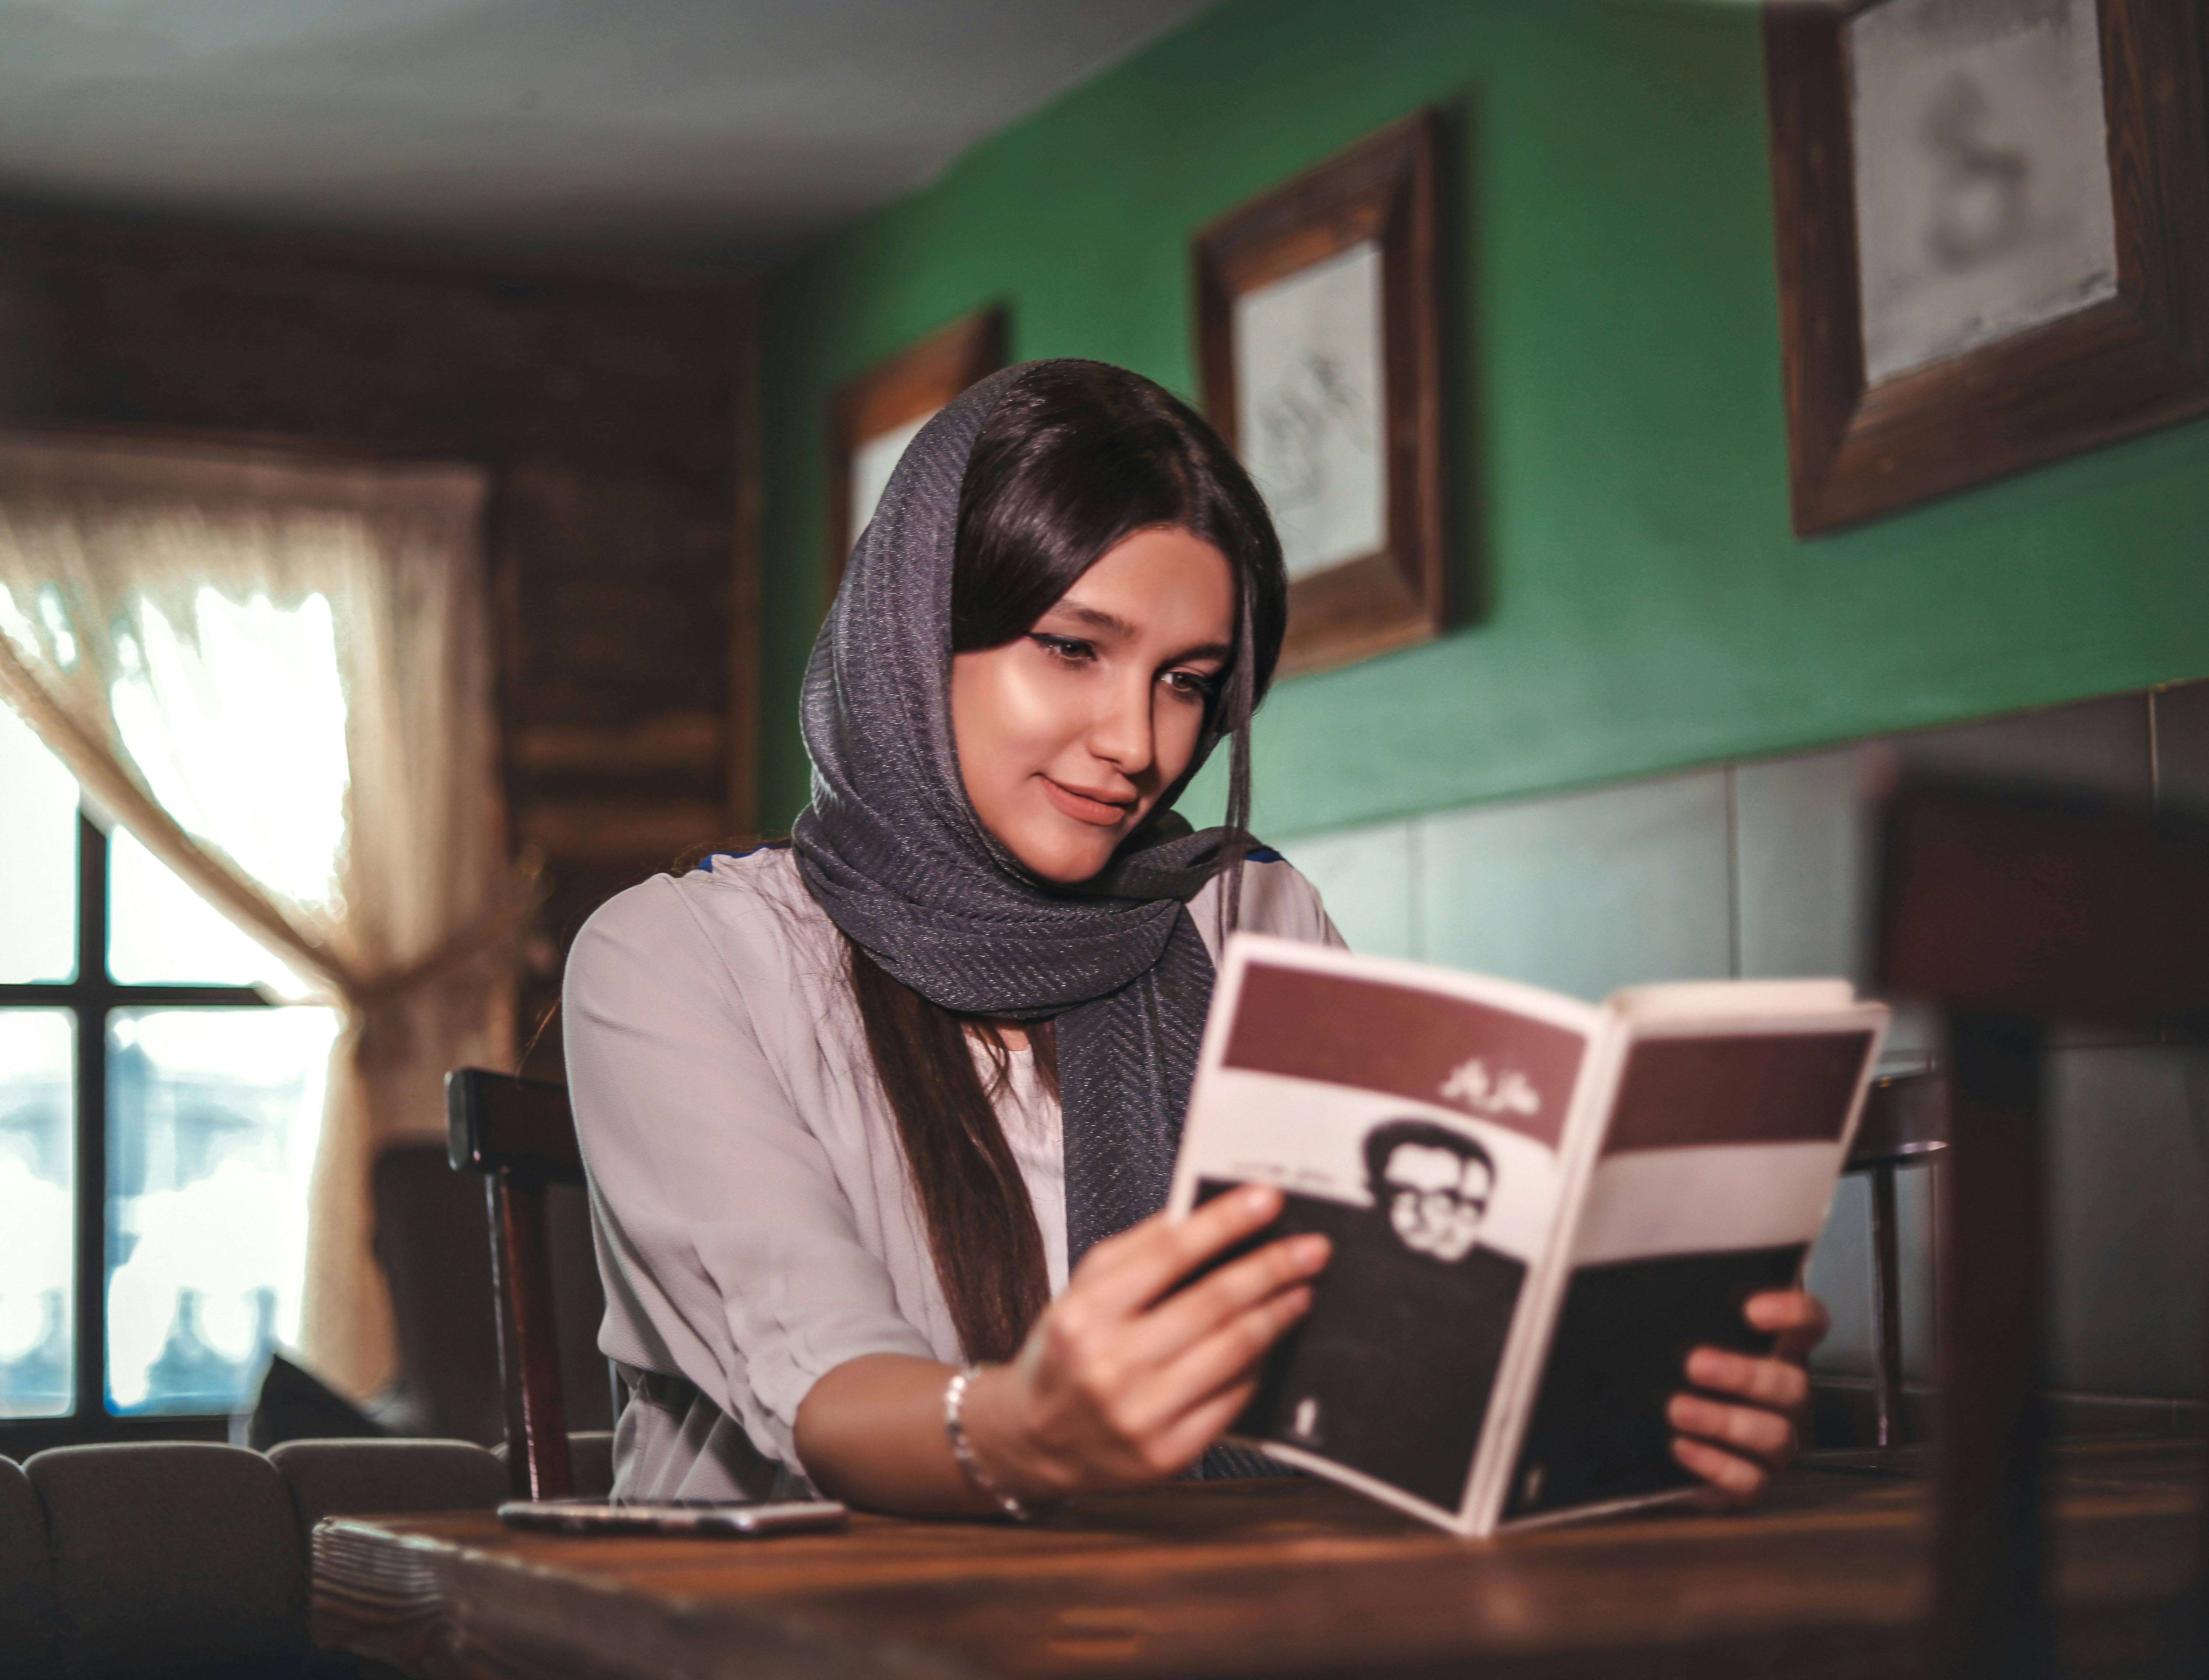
1647 606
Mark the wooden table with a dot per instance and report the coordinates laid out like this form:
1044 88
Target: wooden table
1274 1577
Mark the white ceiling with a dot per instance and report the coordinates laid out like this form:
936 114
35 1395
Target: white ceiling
696 133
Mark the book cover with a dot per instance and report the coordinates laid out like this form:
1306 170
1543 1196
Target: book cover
1536 1206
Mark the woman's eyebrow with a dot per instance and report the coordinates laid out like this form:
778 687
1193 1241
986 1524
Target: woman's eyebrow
1218 650
1097 618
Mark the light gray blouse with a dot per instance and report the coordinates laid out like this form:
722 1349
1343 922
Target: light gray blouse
754 1221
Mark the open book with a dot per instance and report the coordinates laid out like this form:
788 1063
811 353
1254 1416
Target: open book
1537 1206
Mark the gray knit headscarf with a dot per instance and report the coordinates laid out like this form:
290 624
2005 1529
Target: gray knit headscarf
894 854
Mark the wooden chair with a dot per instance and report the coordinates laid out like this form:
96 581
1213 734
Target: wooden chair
520 1133
2011 914
1905 1124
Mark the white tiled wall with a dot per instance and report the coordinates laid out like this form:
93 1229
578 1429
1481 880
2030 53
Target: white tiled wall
1763 869
1585 893
2129 1258
1800 848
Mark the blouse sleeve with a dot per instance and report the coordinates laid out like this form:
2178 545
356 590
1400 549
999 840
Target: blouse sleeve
729 1252
1276 900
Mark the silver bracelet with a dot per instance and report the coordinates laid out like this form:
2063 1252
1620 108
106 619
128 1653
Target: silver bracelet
962 1450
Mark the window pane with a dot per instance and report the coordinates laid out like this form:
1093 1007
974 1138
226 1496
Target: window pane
38 1190
160 933
237 717
213 1118
38 860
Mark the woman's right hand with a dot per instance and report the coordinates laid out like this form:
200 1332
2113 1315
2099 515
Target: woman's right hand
1126 1381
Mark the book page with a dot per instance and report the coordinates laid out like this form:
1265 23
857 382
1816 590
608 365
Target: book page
1714 1179
1414 1118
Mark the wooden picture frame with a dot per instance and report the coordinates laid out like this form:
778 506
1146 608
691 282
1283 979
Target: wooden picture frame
893 396
2135 358
1376 202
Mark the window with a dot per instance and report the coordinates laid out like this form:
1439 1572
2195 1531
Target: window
158 1117
289 659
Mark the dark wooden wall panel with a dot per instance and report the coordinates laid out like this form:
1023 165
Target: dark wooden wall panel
609 413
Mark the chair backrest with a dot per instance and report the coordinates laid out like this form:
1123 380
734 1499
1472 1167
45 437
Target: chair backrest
170 1557
27 1576
520 1134
186 1558
2010 913
387 1478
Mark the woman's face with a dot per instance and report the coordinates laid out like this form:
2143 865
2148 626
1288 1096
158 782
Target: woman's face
1067 735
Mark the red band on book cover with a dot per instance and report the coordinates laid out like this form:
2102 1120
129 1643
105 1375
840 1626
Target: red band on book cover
1497 1067
1767 1088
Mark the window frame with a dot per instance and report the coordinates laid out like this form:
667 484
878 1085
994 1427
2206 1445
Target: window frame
91 997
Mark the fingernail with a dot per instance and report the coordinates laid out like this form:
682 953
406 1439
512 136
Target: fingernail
1311 1250
1261 1198
1707 1367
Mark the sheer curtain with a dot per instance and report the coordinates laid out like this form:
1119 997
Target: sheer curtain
275 673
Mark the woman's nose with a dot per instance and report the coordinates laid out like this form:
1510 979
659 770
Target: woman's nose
1121 732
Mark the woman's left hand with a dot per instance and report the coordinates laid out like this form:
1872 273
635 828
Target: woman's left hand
1740 1432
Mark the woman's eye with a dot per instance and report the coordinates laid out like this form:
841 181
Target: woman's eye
1190 685
1063 647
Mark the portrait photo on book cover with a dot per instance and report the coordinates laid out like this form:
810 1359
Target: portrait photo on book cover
1390 1372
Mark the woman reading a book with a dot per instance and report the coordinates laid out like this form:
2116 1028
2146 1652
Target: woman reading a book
879 1123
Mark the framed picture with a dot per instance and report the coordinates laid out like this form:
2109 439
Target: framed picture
1993 225
878 413
1319 347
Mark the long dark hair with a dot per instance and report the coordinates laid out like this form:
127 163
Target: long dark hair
1076 458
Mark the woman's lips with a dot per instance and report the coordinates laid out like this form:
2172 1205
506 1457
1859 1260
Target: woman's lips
1085 807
